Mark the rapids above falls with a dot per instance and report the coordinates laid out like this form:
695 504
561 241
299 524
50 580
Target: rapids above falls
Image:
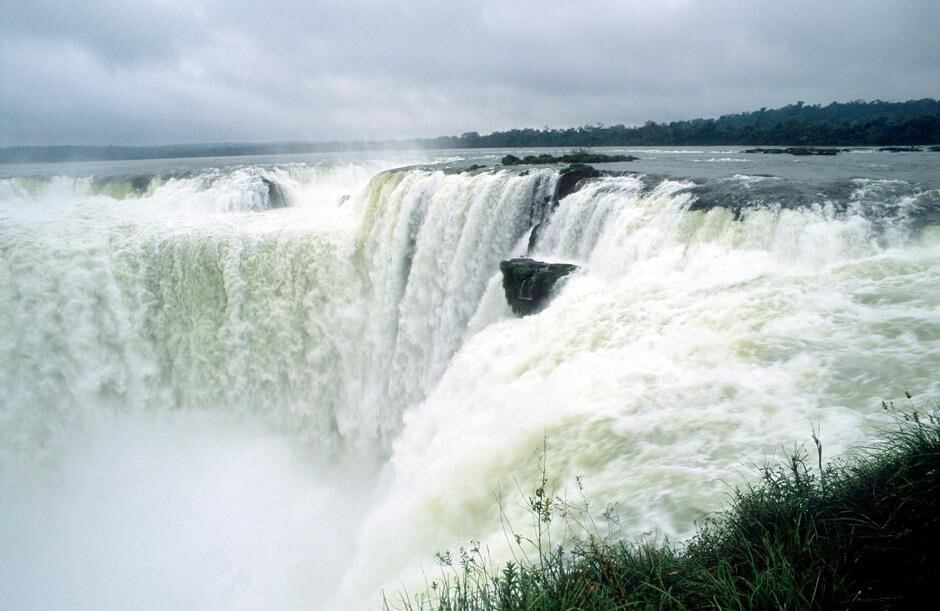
208 399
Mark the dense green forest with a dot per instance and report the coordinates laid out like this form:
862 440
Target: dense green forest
858 123
840 124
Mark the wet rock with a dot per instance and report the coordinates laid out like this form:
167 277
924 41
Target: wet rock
578 157
528 283
795 150
569 178
900 149
809 150
470 169
276 197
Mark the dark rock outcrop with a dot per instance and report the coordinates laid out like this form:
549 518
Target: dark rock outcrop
578 157
470 169
809 150
569 178
276 197
900 149
528 283
796 150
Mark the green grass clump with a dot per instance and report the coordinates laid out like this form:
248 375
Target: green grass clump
863 534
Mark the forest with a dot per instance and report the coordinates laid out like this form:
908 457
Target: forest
857 123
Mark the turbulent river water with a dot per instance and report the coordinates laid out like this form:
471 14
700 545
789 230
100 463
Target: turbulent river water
285 383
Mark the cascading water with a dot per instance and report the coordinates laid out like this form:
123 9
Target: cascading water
431 243
209 400
691 343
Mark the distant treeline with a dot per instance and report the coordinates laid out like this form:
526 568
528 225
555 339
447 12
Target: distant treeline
838 124
857 123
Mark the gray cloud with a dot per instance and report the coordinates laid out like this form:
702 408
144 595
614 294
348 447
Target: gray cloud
210 70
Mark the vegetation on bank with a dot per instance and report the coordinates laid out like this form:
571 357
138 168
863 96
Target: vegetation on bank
863 534
858 123
877 123
578 157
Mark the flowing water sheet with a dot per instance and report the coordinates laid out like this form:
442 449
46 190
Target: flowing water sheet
287 383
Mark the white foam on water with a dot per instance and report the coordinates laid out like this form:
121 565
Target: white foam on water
205 403
689 348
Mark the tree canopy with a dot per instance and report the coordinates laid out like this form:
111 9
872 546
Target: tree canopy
857 123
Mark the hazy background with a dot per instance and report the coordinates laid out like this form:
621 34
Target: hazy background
158 72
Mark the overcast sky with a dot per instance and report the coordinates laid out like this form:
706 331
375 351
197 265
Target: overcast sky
173 71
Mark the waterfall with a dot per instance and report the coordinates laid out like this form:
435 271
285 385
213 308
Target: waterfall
324 355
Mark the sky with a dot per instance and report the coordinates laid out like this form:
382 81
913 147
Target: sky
178 71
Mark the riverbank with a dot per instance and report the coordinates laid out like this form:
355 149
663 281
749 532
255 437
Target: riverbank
861 534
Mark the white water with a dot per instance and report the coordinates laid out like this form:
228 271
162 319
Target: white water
204 406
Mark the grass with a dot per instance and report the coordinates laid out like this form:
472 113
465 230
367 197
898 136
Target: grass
863 534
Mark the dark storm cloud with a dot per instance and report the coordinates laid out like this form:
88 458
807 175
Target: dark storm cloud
210 70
